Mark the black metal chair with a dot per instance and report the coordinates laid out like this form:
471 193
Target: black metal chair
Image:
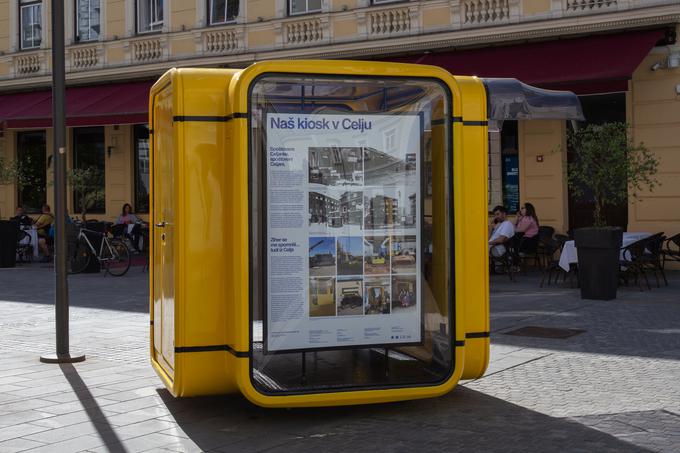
550 247
507 261
671 250
632 265
652 258
24 247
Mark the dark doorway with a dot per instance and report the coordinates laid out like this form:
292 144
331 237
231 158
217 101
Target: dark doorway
88 155
598 109
31 148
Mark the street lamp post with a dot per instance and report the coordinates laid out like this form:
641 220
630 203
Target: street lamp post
62 354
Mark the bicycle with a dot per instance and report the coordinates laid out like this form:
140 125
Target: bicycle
113 254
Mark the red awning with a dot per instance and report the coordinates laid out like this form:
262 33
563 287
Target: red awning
121 103
593 64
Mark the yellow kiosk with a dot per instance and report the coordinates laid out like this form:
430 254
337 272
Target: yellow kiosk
320 228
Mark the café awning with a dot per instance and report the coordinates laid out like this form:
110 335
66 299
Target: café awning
586 65
121 103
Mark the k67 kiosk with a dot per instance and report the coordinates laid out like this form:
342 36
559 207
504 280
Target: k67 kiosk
320 230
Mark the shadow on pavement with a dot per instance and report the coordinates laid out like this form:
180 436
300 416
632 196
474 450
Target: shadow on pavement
464 420
104 429
34 283
637 323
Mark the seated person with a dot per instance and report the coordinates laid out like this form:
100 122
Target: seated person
502 231
43 224
527 223
128 218
21 218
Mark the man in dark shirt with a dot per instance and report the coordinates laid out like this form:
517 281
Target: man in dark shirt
21 218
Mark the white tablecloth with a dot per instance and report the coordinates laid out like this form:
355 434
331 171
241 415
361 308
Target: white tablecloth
569 255
34 241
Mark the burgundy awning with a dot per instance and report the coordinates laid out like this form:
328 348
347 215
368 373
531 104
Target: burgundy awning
593 64
121 103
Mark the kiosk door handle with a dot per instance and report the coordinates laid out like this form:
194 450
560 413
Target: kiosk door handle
161 224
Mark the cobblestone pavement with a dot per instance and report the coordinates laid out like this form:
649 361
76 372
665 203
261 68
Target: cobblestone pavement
614 387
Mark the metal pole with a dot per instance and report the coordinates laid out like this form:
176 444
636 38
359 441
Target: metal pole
59 150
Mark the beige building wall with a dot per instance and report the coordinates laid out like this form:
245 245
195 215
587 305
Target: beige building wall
542 170
654 113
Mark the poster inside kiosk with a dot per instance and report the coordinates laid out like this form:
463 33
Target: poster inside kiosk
343 230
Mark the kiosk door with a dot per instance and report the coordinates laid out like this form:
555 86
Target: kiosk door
163 231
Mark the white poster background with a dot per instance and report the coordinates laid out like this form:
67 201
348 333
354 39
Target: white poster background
387 139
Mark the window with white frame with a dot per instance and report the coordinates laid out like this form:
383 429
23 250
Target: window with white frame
303 6
222 11
87 20
149 16
31 23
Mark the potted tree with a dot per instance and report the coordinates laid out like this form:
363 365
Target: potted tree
609 168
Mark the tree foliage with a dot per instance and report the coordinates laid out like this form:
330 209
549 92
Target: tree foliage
87 185
14 172
610 166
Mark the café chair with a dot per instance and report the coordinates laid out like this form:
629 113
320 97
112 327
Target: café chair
671 250
632 265
24 247
652 258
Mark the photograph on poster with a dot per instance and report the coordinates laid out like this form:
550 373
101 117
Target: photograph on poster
321 296
335 166
404 254
350 257
352 209
324 211
403 293
390 207
394 167
349 292
377 296
377 255
321 256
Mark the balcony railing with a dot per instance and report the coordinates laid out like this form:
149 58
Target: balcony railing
304 32
83 58
29 64
388 22
486 12
588 6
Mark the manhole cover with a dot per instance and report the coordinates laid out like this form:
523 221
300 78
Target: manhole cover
544 332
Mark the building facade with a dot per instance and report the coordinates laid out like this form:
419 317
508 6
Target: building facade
621 56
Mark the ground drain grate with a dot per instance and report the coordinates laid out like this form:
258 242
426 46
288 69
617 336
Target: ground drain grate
544 332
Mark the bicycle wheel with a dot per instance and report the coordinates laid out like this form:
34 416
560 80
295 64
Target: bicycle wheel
118 264
78 257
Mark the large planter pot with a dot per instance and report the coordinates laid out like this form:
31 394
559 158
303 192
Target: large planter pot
598 252
9 232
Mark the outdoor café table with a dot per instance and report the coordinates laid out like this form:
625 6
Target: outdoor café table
33 233
569 255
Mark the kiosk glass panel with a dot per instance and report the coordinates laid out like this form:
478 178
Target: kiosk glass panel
351 233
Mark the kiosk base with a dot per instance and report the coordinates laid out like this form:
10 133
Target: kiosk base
62 358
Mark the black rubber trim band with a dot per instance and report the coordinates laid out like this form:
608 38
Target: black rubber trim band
208 118
212 348
478 335
151 322
459 343
459 119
